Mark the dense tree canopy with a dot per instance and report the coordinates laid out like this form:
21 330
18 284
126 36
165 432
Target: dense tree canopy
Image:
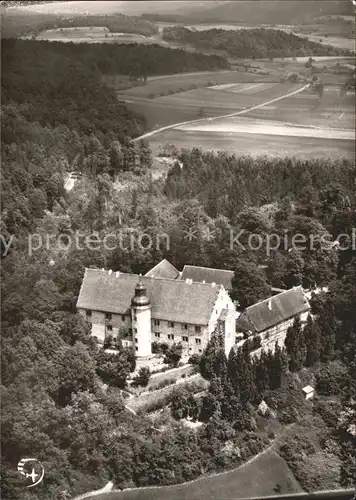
250 43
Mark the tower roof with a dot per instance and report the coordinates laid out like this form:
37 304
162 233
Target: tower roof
140 298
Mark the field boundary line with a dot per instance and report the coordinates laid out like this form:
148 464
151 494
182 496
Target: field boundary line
230 115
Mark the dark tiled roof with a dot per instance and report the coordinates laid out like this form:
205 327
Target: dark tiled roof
274 310
163 269
171 300
200 274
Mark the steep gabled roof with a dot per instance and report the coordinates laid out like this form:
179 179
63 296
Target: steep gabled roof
274 310
208 275
163 269
171 300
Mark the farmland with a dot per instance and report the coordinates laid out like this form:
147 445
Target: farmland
303 124
159 85
245 143
331 111
296 125
92 34
256 478
306 123
183 105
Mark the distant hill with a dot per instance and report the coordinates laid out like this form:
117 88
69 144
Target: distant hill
246 11
128 7
19 22
273 11
251 43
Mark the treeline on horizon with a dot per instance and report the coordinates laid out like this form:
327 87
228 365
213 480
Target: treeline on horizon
60 84
22 23
256 12
251 43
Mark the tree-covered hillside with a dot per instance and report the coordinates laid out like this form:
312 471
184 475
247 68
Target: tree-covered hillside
16 23
250 43
60 83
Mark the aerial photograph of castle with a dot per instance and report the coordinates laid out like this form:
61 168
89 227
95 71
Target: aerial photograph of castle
178 250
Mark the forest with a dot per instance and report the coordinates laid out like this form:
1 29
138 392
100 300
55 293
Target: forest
20 23
59 84
251 43
55 404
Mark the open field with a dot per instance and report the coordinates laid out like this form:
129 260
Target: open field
300 124
220 99
304 109
183 81
245 143
340 42
260 476
202 102
93 34
331 111
236 125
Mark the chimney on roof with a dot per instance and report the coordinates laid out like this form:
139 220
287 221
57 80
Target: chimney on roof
203 281
110 271
213 283
117 274
269 304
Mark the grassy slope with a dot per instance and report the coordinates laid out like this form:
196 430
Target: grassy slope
258 477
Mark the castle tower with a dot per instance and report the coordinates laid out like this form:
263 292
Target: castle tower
141 320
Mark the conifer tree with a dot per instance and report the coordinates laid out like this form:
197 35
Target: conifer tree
278 367
232 370
262 379
327 324
213 362
295 346
245 374
312 341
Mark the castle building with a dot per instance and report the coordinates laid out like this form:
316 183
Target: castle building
271 318
169 307
147 309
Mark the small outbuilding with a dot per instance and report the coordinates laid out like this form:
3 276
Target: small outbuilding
308 391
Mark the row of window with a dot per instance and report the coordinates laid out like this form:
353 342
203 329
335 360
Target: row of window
200 350
171 325
171 337
158 335
109 329
156 322
107 315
